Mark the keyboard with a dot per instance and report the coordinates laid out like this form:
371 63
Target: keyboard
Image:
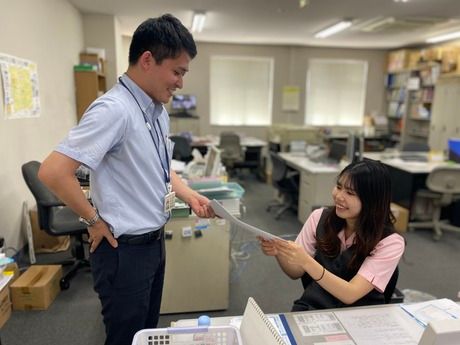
413 158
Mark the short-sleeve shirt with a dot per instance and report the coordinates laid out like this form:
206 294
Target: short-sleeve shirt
127 164
377 268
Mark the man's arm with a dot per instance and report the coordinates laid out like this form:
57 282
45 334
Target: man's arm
57 172
198 202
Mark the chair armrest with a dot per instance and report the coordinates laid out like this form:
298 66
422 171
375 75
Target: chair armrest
53 203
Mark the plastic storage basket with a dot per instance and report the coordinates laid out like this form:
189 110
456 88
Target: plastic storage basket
212 335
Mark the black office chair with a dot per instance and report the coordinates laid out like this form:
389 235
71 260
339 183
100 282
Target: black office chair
182 149
57 219
390 295
286 181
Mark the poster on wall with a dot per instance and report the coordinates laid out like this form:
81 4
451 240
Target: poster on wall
291 95
21 97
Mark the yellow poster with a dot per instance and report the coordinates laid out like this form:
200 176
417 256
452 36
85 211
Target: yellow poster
20 87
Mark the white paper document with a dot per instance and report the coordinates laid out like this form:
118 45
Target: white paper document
223 213
439 309
383 326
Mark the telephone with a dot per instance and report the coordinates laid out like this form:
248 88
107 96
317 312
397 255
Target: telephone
194 169
315 152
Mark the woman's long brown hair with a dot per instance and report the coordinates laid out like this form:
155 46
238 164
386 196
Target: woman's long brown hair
371 181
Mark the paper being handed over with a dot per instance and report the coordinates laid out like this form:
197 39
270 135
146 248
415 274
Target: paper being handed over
223 213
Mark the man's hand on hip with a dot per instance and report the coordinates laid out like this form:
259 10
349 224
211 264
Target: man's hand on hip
97 232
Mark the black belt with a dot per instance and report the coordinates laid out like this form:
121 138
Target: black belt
148 237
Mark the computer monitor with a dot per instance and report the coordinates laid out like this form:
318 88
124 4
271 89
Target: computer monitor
453 144
212 162
355 147
337 151
183 102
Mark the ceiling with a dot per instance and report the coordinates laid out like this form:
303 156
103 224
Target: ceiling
284 22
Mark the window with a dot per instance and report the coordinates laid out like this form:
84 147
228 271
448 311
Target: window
336 91
241 91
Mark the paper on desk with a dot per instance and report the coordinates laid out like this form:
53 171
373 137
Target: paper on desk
223 213
439 309
383 326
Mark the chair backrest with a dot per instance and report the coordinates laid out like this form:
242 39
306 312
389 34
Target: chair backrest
445 180
279 167
230 145
391 286
182 149
44 198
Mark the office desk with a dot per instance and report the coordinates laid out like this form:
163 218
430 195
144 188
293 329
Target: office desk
316 182
406 177
210 140
252 150
384 325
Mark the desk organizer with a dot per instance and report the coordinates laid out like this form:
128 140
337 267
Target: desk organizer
212 335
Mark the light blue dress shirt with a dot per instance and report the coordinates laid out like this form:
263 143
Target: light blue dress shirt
127 174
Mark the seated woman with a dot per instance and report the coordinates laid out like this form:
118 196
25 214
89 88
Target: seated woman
346 253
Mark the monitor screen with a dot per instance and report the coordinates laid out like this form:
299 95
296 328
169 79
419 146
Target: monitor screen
337 150
183 102
453 145
212 162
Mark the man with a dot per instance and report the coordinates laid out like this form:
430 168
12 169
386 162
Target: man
123 140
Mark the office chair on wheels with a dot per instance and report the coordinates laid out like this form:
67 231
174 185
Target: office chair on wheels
391 294
443 188
286 181
182 149
231 150
56 219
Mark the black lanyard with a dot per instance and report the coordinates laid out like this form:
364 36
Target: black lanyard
166 171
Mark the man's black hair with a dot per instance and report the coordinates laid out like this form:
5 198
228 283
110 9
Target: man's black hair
165 37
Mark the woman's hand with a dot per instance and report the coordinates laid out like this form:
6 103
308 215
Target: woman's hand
268 246
292 252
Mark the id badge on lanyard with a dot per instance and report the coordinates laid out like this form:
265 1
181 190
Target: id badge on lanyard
170 199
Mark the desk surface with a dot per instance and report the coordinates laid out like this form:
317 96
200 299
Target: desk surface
210 140
301 162
383 324
392 159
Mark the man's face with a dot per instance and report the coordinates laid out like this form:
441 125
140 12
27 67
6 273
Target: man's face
163 79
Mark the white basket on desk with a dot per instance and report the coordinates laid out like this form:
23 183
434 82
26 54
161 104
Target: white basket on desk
212 335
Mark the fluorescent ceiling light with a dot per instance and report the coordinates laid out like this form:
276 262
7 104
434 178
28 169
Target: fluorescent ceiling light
198 21
340 26
445 37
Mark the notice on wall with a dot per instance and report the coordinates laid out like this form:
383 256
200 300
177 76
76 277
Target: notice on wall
291 95
21 97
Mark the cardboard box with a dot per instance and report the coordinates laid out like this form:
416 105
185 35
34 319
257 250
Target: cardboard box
36 288
402 217
5 305
44 243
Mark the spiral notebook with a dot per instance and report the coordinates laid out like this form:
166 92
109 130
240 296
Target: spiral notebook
256 328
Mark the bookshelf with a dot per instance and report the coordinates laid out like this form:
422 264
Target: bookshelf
410 94
90 81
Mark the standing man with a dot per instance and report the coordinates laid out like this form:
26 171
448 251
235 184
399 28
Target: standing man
123 139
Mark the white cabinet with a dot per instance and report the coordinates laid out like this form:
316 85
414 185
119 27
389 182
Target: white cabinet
197 268
445 119
315 191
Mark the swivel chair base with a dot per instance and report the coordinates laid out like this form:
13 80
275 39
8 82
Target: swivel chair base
64 283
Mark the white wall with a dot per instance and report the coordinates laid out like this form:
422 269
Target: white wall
101 31
50 33
291 63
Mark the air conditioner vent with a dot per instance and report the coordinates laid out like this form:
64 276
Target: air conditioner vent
393 24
